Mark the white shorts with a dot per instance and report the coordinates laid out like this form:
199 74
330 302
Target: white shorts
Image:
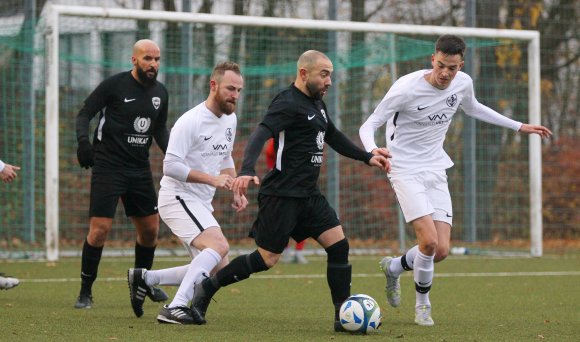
424 193
185 216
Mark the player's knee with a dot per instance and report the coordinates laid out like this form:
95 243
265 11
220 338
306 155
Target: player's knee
148 238
147 233
441 254
150 231
221 246
98 233
262 260
270 259
428 247
214 239
338 252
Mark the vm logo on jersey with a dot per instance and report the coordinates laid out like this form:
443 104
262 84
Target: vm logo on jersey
229 134
437 117
220 147
141 125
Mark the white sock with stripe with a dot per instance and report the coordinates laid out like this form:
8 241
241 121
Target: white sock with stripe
423 276
396 265
204 262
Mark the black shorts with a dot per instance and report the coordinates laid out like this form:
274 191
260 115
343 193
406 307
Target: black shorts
134 187
280 218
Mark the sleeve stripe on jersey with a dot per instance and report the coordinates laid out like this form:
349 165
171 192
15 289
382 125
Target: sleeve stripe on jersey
394 124
279 152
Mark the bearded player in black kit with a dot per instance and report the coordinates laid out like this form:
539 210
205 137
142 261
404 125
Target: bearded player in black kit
290 203
132 109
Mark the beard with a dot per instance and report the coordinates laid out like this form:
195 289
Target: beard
316 92
146 79
225 106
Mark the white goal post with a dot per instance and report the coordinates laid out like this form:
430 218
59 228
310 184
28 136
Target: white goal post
55 12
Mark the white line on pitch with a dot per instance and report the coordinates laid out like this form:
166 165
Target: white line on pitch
355 275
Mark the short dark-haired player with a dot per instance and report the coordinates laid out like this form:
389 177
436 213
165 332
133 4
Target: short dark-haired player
418 110
290 203
132 109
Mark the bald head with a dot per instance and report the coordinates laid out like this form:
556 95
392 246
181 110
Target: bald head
144 45
145 59
313 74
310 58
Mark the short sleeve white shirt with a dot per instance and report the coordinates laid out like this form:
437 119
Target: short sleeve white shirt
205 143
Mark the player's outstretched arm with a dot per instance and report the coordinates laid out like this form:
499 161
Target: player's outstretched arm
536 129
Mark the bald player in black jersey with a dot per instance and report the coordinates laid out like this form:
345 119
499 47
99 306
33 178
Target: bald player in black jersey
132 109
290 202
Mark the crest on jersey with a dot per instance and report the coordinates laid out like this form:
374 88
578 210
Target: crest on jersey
229 134
320 140
452 100
141 125
156 102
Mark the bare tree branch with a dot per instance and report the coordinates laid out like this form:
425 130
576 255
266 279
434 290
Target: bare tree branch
376 10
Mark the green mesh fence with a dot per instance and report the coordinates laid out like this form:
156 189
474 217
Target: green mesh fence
366 64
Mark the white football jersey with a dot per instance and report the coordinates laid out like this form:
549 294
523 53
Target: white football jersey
417 117
205 143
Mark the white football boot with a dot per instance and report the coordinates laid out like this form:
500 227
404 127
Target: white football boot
423 316
7 282
393 288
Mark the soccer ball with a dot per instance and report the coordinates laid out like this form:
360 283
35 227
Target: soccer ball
360 313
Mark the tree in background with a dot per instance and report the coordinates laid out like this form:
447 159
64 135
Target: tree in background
555 19
558 24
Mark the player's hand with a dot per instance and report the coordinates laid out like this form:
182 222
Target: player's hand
241 183
382 151
537 129
85 154
240 202
8 174
223 181
381 162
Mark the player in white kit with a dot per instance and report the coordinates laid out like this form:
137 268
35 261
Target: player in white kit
198 161
417 111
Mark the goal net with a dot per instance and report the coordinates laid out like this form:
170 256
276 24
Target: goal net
495 183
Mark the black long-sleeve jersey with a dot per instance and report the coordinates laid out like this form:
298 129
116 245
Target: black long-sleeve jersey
300 127
130 115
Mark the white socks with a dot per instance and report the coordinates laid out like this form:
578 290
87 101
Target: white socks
204 262
168 276
396 266
423 276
